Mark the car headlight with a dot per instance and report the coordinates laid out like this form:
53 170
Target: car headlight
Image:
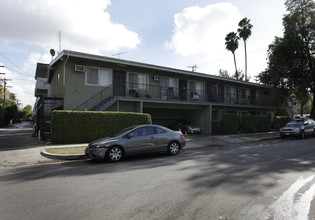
101 145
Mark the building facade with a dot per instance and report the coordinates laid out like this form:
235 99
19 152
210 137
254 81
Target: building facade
86 82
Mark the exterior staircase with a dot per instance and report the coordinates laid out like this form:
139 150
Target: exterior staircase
109 101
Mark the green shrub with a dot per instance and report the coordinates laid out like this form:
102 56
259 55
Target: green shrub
230 124
255 123
280 122
84 126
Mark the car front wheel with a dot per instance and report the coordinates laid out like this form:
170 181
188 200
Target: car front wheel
173 148
115 154
302 136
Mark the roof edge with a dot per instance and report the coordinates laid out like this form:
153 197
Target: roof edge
82 55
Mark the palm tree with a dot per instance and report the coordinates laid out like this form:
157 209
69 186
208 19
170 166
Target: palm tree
244 32
231 42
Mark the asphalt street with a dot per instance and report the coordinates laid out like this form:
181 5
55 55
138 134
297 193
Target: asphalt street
271 179
18 147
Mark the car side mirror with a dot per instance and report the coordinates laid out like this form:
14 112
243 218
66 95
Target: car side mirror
130 135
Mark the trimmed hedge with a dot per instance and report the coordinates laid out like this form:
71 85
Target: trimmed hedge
84 126
279 122
254 123
230 124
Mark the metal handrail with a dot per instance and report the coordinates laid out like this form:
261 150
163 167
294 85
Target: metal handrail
149 91
94 100
165 93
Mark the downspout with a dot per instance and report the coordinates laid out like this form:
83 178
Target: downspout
64 79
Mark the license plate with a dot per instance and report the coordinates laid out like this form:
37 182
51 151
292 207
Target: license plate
287 133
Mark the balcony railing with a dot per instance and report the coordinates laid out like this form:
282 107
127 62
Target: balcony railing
145 91
174 94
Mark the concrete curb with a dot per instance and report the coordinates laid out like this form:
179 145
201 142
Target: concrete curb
44 153
62 157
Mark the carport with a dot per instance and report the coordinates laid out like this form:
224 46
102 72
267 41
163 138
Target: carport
167 113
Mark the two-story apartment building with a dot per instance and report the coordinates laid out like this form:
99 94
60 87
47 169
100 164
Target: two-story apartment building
81 81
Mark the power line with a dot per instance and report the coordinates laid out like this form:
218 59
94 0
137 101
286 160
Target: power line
15 65
25 74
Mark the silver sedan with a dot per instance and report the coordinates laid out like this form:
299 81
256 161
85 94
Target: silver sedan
135 140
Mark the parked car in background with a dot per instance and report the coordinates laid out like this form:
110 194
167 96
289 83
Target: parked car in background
136 140
298 128
185 126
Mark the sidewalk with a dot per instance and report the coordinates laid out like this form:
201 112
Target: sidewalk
195 141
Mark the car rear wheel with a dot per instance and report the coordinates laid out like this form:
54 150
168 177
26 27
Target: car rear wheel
173 148
314 133
114 154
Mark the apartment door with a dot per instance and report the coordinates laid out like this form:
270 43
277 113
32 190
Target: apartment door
221 93
119 82
182 89
253 97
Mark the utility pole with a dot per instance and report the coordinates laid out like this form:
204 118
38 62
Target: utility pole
1 66
3 80
5 86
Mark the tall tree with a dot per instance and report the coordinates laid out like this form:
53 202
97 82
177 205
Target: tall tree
244 32
231 42
291 62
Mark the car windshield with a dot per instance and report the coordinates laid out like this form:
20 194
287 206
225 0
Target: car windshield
296 122
123 131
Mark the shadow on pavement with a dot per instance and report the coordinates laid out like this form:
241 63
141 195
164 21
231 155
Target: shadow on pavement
244 166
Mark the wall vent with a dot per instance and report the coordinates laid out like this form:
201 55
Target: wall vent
79 68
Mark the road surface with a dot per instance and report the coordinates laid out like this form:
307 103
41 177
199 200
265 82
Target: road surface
261 180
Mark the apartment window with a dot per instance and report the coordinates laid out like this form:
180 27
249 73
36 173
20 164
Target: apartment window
230 92
98 77
195 86
138 81
169 87
243 93
169 82
195 89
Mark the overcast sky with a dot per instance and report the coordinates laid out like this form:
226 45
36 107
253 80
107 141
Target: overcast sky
172 33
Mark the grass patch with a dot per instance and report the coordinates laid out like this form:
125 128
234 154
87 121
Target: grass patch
66 150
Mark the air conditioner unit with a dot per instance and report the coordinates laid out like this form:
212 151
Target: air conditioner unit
79 68
156 78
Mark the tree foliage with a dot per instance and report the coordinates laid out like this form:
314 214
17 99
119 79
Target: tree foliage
9 111
291 58
231 42
244 31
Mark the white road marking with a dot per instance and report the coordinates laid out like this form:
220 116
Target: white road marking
304 205
286 207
